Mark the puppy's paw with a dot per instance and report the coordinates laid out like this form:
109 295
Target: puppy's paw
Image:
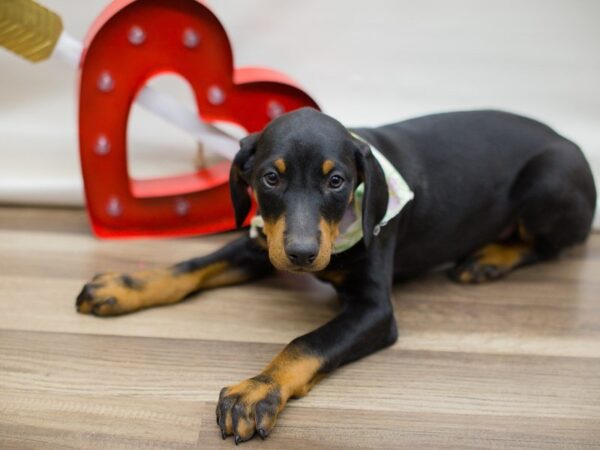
249 407
109 294
475 272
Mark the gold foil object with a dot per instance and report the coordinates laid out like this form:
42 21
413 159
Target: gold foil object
28 29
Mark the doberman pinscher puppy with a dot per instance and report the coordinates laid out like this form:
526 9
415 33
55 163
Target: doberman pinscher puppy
493 191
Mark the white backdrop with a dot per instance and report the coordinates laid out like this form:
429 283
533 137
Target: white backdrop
366 63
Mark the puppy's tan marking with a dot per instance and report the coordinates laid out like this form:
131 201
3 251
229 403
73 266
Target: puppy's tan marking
493 261
329 232
113 294
294 372
280 165
465 277
275 232
327 166
291 374
334 277
524 235
504 256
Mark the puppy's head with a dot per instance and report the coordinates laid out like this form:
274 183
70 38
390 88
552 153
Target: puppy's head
303 168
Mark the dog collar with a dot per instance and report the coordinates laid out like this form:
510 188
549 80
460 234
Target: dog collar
399 194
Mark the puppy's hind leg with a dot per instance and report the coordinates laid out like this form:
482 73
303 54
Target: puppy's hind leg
113 294
494 261
554 198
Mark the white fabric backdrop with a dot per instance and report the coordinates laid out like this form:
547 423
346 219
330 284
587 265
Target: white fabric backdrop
366 63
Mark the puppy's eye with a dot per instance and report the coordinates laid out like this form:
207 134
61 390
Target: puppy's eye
335 182
271 179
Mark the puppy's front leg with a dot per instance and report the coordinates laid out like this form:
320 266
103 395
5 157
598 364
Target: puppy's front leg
365 324
111 293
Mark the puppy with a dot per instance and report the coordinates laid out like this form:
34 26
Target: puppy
486 191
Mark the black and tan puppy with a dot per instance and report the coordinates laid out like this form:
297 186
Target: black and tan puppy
492 191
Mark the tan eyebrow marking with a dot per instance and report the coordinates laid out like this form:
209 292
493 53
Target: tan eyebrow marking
327 166
280 164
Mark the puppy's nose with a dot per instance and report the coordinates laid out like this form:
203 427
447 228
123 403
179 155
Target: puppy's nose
302 253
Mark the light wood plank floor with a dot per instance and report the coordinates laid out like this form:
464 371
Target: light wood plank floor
513 364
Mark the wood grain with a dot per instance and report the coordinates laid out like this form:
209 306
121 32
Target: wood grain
512 364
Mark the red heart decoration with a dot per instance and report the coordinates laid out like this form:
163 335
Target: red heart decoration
182 37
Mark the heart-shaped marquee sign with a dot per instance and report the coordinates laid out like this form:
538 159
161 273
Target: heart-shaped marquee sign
131 42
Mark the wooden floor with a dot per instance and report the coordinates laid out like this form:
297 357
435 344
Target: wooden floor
513 364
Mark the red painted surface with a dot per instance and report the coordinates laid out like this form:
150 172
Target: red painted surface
191 204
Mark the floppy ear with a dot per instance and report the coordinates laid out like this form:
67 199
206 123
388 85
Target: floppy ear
239 178
375 197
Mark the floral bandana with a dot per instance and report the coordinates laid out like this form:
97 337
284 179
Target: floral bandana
351 225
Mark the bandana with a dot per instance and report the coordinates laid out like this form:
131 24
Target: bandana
351 230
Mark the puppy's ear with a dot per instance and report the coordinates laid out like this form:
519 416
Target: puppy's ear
375 198
239 178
